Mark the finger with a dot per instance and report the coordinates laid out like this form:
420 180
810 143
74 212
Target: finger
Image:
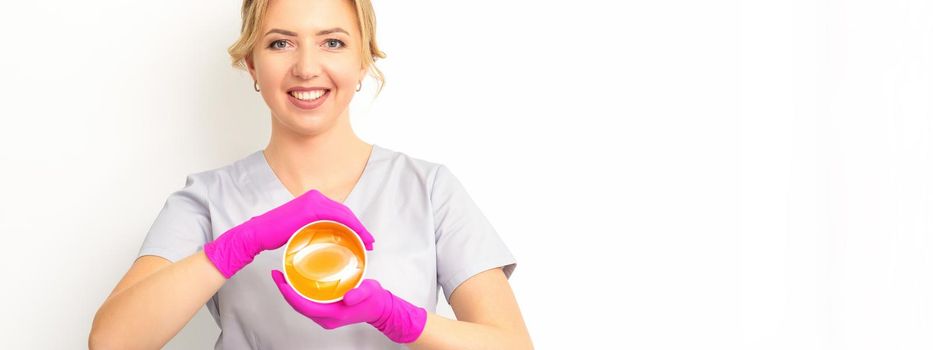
277 277
305 306
362 292
350 220
299 303
290 295
369 244
364 234
356 295
371 284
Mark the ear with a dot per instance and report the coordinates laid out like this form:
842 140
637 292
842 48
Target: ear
250 65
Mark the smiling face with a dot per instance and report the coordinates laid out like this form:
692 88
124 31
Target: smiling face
307 62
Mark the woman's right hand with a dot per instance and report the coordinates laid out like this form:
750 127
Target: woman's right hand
234 249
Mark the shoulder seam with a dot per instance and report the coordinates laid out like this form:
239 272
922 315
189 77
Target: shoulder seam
205 192
436 172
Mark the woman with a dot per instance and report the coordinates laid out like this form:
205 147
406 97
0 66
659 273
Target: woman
218 240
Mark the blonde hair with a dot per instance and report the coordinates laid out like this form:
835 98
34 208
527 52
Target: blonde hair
254 11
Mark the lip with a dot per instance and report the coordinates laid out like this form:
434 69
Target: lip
308 105
301 88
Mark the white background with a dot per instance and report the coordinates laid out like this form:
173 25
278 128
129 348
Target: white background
669 174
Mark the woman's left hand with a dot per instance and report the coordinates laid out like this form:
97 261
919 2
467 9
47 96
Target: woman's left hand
398 319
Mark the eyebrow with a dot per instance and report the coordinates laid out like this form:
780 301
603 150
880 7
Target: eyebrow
322 32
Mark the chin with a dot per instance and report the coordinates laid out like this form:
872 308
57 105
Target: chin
308 125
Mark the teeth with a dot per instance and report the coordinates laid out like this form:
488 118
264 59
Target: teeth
307 95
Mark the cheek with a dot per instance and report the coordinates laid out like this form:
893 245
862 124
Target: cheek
270 73
345 72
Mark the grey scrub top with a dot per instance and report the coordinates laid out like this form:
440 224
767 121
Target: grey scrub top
429 234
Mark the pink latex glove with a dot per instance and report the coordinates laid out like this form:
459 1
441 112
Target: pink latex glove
236 248
399 320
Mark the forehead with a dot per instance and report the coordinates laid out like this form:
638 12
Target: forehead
307 16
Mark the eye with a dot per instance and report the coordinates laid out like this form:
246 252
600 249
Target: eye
330 41
274 46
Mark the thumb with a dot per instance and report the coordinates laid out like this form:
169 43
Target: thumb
286 290
278 277
368 245
358 294
288 293
366 237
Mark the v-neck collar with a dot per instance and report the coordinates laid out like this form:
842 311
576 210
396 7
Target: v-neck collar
271 186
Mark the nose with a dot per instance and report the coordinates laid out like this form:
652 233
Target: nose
307 64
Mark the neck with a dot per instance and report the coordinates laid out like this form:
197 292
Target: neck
322 160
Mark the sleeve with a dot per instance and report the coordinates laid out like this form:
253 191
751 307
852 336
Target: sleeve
183 225
466 242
